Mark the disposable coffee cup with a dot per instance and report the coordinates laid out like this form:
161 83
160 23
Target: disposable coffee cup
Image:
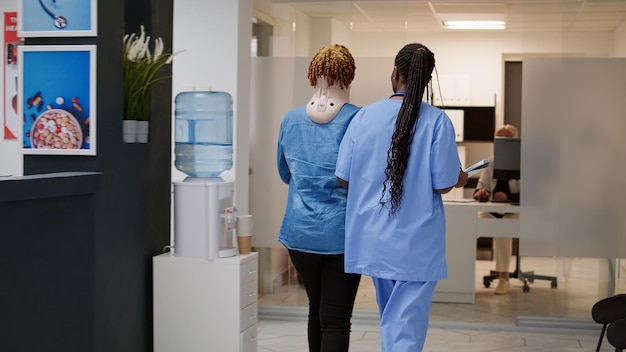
244 243
244 230
244 233
244 225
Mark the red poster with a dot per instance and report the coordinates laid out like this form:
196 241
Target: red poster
12 122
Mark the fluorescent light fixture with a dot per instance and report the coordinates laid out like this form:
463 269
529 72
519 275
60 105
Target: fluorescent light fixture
462 24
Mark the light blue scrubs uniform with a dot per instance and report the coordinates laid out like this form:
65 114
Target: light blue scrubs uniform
404 253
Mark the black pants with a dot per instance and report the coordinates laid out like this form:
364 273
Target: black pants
331 294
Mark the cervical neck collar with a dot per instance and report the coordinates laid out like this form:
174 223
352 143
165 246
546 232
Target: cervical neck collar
326 101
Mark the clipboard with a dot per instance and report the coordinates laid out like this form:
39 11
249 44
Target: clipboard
477 167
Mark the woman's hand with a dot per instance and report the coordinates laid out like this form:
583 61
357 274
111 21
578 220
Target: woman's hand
482 195
500 196
463 177
462 180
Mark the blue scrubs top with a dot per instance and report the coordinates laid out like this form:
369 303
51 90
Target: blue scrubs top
314 220
410 245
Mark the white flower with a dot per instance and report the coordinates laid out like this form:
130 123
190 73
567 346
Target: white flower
158 48
142 70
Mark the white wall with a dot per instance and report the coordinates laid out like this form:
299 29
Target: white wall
292 31
480 55
11 162
325 31
321 33
620 41
573 115
216 36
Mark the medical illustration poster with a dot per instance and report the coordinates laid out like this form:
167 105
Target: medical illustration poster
56 99
57 18
11 41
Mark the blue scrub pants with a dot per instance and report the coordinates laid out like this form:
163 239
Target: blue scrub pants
331 294
404 308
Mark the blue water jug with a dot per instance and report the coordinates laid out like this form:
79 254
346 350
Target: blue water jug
203 133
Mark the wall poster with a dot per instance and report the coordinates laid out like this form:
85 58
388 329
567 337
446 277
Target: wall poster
57 18
11 41
57 99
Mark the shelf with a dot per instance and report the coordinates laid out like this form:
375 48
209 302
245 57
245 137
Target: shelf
479 122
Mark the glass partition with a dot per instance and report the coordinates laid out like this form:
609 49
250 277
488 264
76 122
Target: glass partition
550 243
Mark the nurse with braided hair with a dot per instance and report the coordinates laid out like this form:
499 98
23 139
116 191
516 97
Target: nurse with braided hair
313 227
397 158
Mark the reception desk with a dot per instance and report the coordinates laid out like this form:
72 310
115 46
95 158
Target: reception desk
48 268
463 226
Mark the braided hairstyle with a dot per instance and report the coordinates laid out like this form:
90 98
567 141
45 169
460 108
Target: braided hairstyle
334 63
415 64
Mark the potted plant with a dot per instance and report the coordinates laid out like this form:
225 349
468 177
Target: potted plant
142 70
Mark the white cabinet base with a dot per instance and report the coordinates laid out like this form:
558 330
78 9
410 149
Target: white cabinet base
202 305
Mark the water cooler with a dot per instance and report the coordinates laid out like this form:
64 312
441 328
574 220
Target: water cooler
204 291
204 219
204 214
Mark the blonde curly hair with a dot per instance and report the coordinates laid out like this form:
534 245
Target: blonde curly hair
333 62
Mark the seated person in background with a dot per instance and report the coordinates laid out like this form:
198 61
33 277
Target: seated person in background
490 188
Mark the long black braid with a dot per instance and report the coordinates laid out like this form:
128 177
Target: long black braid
415 63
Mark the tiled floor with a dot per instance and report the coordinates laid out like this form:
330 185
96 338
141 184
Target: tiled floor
543 319
290 336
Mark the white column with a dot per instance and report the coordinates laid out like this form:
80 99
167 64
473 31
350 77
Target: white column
215 36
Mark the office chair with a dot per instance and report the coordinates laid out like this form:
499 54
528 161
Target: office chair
524 276
608 311
616 334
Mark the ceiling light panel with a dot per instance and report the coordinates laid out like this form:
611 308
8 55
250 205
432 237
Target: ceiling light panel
424 15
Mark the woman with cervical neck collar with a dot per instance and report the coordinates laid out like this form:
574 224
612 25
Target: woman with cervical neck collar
326 101
313 226
330 73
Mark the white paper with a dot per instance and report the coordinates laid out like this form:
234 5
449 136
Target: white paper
477 167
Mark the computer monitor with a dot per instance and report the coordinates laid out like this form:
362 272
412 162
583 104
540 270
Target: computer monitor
506 158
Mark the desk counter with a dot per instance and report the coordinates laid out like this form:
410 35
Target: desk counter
462 228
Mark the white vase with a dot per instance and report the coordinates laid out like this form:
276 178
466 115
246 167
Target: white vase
129 131
143 129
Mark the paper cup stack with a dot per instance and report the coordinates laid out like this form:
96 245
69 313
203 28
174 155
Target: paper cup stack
244 233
